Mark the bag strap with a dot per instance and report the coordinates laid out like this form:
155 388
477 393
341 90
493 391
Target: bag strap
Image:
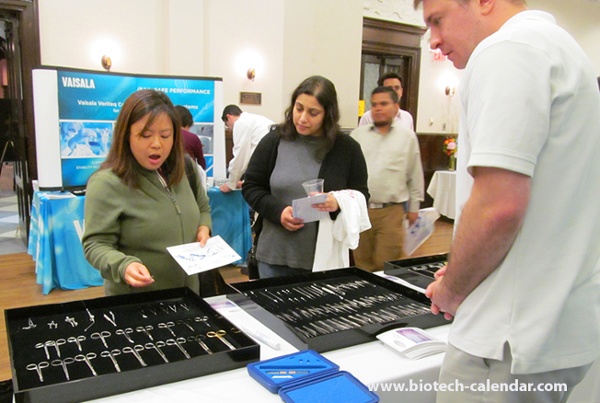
190 172
211 282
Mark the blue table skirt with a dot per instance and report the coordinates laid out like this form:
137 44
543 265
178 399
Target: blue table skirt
57 227
55 243
231 220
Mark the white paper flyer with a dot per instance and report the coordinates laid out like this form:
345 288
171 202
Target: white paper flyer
195 259
303 209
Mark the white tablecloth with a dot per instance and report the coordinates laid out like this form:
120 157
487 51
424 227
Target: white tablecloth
443 190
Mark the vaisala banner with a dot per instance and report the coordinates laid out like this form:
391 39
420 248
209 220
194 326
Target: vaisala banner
75 111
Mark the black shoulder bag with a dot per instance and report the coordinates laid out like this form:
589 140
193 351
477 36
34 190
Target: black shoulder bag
211 282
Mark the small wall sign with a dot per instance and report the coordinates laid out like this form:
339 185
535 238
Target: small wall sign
251 98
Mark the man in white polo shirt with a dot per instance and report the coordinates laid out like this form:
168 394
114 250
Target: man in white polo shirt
523 280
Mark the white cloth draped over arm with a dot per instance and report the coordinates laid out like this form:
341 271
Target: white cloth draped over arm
335 238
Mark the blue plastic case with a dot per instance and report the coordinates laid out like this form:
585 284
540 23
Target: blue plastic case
307 376
289 369
340 387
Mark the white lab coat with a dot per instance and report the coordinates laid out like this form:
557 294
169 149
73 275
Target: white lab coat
335 238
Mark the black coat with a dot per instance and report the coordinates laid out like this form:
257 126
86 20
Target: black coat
344 167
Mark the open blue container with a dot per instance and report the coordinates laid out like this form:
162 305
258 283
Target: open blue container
307 376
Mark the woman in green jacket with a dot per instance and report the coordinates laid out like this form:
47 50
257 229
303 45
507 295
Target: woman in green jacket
139 202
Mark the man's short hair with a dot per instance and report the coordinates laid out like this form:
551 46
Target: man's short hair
386 90
387 76
231 110
417 2
185 116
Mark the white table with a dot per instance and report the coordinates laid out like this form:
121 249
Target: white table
443 190
372 363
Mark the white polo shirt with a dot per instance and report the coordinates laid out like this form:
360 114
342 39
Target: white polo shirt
403 117
530 104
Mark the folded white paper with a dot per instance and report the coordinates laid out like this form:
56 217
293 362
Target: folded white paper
303 209
195 259
412 342
420 231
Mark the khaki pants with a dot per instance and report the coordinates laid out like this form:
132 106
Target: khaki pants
466 369
383 242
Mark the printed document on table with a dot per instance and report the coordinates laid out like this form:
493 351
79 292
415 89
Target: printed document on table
302 208
195 259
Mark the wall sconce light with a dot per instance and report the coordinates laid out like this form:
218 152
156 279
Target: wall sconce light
107 51
448 83
106 62
247 62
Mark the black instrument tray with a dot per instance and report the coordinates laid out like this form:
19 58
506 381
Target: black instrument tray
418 271
33 333
333 309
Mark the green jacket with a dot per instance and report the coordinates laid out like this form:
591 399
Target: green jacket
124 225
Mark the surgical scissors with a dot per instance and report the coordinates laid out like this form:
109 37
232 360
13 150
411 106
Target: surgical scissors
103 335
220 334
111 354
125 332
77 340
186 323
92 320
87 357
135 351
63 364
45 347
38 368
178 342
202 319
167 326
56 344
145 329
157 347
198 338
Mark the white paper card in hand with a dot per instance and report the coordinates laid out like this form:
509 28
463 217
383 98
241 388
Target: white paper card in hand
416 234
412 342
303 209
195 259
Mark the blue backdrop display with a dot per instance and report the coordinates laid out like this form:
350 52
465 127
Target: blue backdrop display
88 105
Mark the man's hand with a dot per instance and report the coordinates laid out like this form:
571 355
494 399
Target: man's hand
412 217
441 299
225 187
